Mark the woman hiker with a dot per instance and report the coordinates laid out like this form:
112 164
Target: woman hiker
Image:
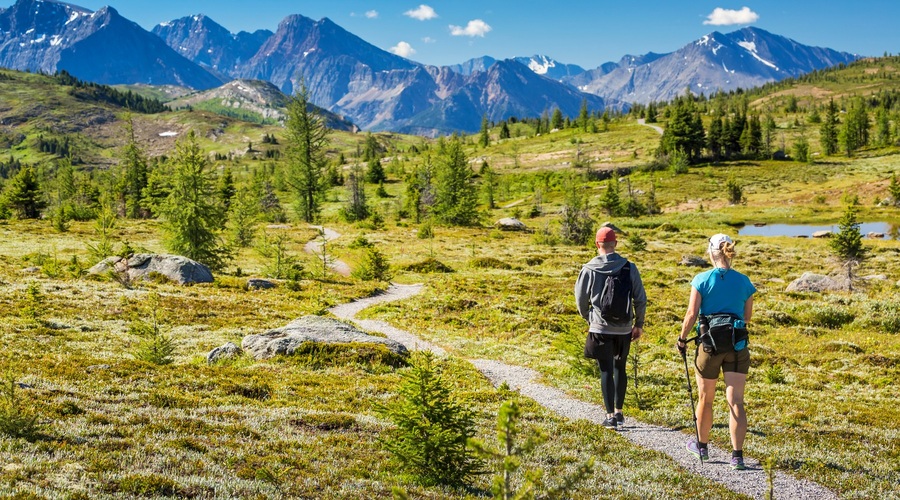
616 317
723 298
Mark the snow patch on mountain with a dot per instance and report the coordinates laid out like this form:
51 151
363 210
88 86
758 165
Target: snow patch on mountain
751 48
541 67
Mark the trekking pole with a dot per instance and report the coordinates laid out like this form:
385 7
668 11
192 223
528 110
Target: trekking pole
637 394
687 375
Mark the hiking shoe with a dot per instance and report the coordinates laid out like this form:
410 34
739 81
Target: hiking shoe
620 419
697 451
737 463
610 423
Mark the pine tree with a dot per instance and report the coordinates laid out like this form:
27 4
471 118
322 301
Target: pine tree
611 202
243 215
24 194
576 225
133 176
432 428
828 133
583 116
847 243
556 121
883 127
894 190
357 208
191 214
375 171
484 138
456 198
307 142
226 189
504 130
854 133
801 149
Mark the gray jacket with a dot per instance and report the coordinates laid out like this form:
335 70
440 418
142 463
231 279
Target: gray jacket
589 286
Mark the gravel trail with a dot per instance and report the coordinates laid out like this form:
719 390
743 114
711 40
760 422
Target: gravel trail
315 247
751 482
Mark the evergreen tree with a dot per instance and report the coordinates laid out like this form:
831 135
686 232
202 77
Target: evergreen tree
685 130
611 201
652 113
556 121
24 194
226 189
801 149
159 185
883 127
307 142
894 190
847 243
357 208
191 214
828 133
715 138
854 133
133 176
504 130
456 198
432 428
484 138
243 215
489 184
583 116
768 136
370 149
576 226
420 190
375 171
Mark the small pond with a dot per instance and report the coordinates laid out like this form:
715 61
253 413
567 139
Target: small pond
890 231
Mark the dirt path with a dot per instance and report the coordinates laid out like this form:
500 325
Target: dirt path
751 482
315 247
643 122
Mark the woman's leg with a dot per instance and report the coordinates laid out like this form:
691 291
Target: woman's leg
706 388
734 392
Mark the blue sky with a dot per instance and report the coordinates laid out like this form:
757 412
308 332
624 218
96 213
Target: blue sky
583 32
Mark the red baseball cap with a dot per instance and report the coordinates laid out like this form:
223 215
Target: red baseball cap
604 235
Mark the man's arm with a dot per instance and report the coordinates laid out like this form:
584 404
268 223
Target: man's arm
583 294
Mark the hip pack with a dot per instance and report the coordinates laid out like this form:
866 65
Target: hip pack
721 333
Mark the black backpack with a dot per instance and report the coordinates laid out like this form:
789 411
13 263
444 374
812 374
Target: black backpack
615 300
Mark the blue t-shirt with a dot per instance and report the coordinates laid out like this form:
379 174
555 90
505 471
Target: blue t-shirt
723 291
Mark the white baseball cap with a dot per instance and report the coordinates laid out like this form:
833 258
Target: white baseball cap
716 241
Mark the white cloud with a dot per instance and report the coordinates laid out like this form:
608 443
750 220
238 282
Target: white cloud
725 17
428 39
476 27
423 13
402 49
372 14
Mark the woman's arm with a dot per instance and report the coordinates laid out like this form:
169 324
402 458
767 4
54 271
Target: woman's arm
691 315
748 309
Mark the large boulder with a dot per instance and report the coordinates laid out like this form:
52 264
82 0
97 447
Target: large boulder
229 350
511 224
811 282
287 339
140 266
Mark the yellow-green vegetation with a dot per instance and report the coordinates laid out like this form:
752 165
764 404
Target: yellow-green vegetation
94 421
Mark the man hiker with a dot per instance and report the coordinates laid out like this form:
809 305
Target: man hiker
611 298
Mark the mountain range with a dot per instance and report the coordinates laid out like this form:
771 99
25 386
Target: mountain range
376 89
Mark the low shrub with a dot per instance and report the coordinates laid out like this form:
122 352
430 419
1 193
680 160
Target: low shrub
489 263
429 265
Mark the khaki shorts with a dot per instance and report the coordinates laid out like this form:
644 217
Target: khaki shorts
709 365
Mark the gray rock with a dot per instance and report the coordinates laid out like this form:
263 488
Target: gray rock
811 282
872 235
692 261
31 270
259 284
613 227
287 339
875 277
97 368
174 267
511 224
229 350
822 234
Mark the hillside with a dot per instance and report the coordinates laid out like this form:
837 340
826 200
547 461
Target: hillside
91 418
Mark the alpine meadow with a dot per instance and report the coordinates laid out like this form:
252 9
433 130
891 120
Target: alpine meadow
125 377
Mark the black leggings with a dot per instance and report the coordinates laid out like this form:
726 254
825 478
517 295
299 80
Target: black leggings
613 375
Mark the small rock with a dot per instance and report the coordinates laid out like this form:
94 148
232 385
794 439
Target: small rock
259 284
875 277
875 236
96 368
692 261
822 234
31 270
229 350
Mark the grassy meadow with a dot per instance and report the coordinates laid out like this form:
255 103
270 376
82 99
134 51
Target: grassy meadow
82 417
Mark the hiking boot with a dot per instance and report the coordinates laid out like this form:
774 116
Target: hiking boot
697 451
737 463
610 423
620 419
